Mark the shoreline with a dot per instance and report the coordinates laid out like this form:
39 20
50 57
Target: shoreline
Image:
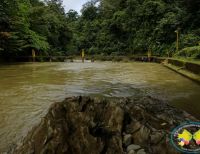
187 68
184 72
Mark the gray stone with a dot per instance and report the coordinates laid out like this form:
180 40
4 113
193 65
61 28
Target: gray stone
163 124
141 151
127 139
132 152
133 147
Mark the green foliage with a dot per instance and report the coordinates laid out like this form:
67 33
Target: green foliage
32 24
189 40
72 16
193 52
105 27
38 42
89 11
135 26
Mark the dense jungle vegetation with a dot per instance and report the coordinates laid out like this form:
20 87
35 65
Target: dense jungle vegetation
105 27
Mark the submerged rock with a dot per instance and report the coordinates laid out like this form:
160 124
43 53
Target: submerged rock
83 125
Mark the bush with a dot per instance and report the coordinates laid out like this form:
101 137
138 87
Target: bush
193 52
93 51
117 58
189 40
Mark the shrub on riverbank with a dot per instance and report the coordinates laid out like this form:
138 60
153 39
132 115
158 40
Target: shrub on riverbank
193 52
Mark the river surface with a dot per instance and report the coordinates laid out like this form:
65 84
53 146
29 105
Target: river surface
28 89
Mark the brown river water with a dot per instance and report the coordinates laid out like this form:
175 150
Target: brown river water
28 89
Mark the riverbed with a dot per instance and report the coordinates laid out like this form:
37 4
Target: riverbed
28 89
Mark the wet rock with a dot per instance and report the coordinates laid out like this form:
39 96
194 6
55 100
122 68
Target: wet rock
156 137
132 152
142 136
133 127
127 139
141 151
133 147
84 125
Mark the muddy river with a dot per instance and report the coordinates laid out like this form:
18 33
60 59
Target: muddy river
28 89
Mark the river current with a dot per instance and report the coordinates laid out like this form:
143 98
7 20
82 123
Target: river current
28 89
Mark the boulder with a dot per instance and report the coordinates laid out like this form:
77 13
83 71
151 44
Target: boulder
141 151
133 147
132 152
84 125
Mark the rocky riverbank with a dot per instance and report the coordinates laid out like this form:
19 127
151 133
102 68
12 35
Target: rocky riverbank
84 125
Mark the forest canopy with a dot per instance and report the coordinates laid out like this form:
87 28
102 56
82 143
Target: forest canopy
103 27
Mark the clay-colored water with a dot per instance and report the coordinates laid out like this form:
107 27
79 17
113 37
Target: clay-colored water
27 90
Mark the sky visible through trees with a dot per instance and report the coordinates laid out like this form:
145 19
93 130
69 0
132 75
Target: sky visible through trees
74 5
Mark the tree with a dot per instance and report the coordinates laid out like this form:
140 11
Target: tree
104 27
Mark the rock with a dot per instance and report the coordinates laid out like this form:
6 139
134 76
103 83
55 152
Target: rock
141 151
133 127
84 125
156 137
164 124
141 137
132 152
132 147
127 139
